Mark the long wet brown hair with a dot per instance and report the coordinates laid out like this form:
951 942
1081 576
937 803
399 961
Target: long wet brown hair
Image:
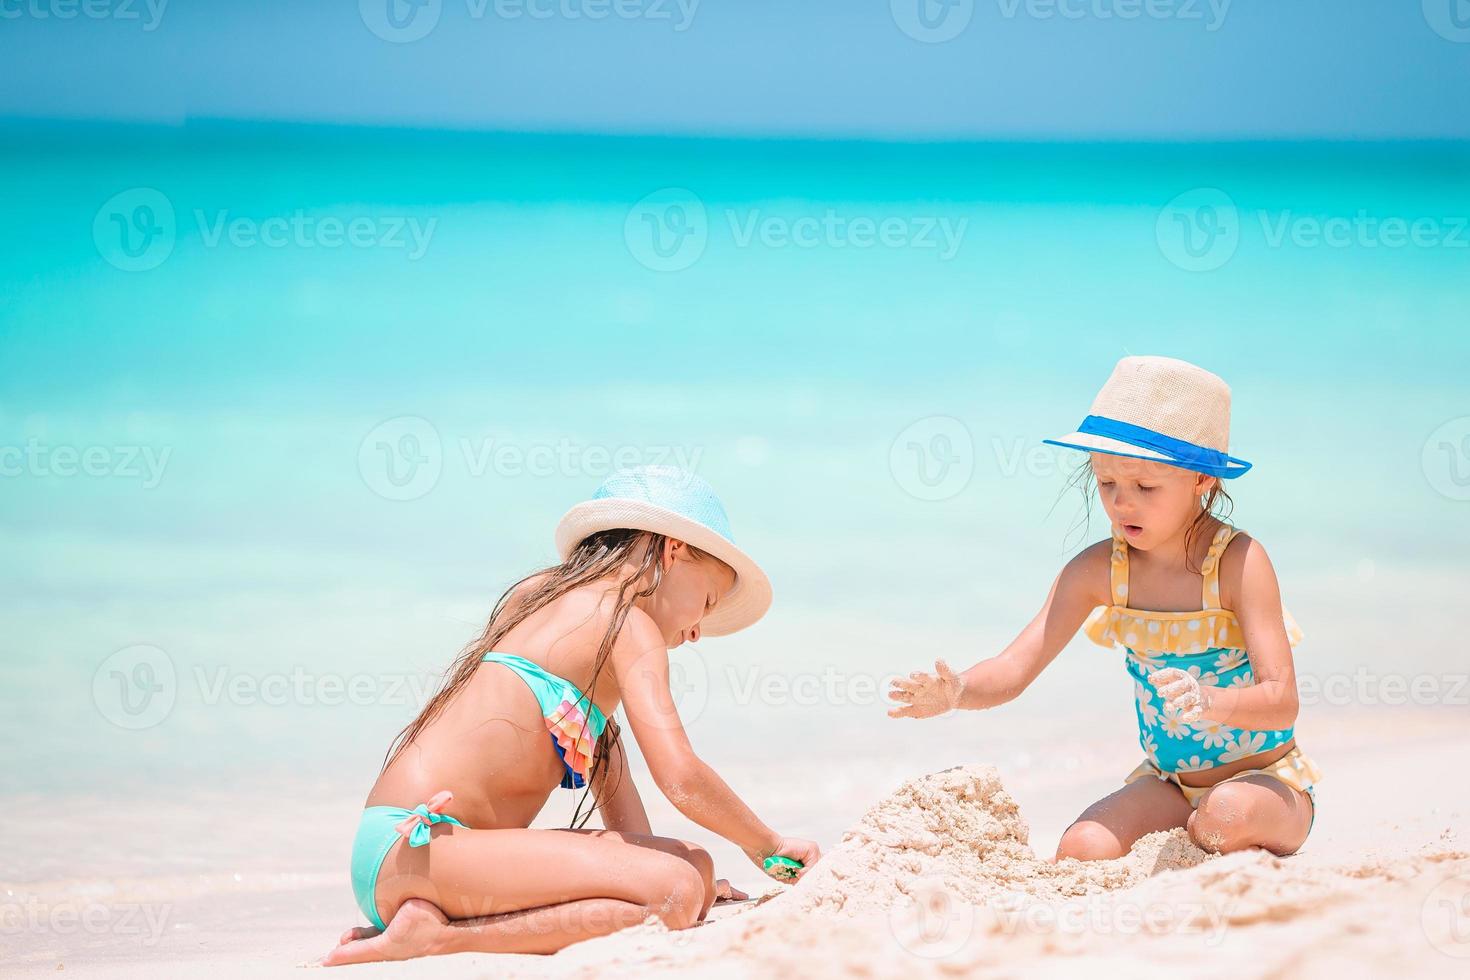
1085 480
624 556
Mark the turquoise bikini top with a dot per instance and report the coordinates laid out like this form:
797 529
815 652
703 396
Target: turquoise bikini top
574 721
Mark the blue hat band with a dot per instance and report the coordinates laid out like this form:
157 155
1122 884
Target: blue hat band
1185 455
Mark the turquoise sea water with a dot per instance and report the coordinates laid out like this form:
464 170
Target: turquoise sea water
284 409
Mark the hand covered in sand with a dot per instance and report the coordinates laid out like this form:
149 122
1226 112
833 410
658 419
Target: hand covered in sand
926 695
1183 696
805 851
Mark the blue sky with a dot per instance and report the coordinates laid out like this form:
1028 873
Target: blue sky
1049 69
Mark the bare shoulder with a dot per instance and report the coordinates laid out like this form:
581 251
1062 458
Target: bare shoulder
580 614
638 637
1243 552
1244 566
1089 573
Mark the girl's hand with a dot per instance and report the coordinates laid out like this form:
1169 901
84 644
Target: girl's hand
1183 696
926 695
726 892
805 851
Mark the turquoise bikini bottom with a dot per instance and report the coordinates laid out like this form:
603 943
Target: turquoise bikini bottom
574 723
377 832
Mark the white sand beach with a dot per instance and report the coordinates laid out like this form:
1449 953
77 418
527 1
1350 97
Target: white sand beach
945 874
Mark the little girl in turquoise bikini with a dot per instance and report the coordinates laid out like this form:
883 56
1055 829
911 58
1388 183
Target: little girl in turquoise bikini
444 861
1195 606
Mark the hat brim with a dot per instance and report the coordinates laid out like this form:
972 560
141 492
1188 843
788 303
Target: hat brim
1089 442
745 603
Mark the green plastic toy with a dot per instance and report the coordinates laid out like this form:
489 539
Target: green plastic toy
784 868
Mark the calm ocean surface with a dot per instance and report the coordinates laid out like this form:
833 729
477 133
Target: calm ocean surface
284 409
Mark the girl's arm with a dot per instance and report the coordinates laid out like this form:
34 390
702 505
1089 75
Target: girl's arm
617 797
1074 594
640 662
1271 702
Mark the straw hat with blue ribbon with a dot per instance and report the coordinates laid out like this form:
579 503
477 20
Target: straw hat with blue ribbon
674 502
1165 410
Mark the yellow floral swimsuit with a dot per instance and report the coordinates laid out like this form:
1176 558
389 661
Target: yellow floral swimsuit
1208 644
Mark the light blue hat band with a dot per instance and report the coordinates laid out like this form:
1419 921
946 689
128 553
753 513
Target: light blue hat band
683 493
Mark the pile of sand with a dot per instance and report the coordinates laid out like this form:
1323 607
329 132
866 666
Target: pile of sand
938 879
959 831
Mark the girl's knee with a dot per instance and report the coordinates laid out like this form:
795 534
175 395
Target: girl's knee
701 861
1089 841
676 891
1227 819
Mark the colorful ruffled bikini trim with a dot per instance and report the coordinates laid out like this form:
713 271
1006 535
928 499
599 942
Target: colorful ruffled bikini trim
572 732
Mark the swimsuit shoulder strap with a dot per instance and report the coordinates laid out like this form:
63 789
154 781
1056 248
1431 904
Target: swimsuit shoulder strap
1210 587
1118 572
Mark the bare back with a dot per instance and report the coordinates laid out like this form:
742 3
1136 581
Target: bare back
489 746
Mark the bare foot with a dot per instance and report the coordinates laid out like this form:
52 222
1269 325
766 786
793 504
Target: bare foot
415 930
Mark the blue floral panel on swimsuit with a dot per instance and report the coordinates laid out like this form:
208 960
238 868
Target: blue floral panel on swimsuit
1177 746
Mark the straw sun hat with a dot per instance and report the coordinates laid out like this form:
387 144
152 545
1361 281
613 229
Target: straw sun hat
676 503
1161 409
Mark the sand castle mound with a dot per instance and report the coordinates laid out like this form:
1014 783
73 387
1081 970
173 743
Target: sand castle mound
959 831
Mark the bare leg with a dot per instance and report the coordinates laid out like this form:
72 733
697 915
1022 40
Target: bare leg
1111 826
523 891
685 850
1253 811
